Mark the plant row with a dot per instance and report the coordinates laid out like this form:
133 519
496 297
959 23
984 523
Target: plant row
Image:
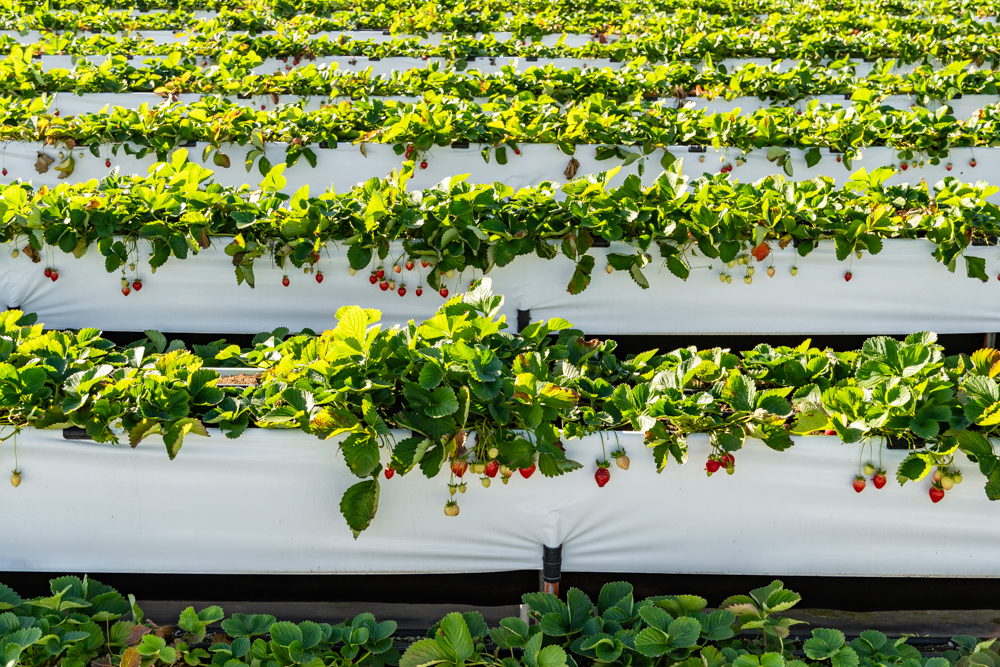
523 24
634 131
20 75
481 400
784 41
286 9
86 622
457 226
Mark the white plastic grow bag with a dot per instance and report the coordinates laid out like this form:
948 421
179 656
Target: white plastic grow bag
268 503
345 166
899 291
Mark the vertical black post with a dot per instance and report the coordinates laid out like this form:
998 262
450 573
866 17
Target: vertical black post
523 319
551 569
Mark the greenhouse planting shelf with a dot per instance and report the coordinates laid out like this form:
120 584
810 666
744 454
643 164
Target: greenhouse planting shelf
271 499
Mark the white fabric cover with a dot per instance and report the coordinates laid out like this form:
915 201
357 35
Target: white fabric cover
271 500
69 104
182 36
400 63
345 166
899 291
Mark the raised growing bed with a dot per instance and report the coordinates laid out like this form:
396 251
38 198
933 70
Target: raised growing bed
900 290
268 503
345 166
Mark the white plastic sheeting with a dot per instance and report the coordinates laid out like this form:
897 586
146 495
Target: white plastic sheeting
485 63
899 291
345 166
69 104
271 502
183 35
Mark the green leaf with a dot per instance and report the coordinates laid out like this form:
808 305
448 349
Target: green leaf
846 657
457 634
359 504
424 653
443 402
8 598
684 632
824 643
361 453
431 375
652 642
975 267
913 468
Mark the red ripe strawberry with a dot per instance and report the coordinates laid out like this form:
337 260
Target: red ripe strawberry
727 460
263 106
492 468
107 163
48 273
126 291
904 166
402 290
57 112
397 268
424 263
384 286
373 278
712 465
830 431
409 265
137 285
879 479
380 273
936 493
859 483
948 166
838 158
443 292
517 151
848 276
425 56
459 466
420 290
603 475
285 281
319 276
55 275
423 165
389 472
527 472
972 163
5 171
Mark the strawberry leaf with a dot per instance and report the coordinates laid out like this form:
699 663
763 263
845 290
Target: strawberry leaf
359 504
581 275
678 267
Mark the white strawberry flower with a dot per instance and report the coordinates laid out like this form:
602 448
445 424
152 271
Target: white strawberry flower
117 426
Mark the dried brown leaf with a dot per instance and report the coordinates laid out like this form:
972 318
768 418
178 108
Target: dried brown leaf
43 162
571 169
136 635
